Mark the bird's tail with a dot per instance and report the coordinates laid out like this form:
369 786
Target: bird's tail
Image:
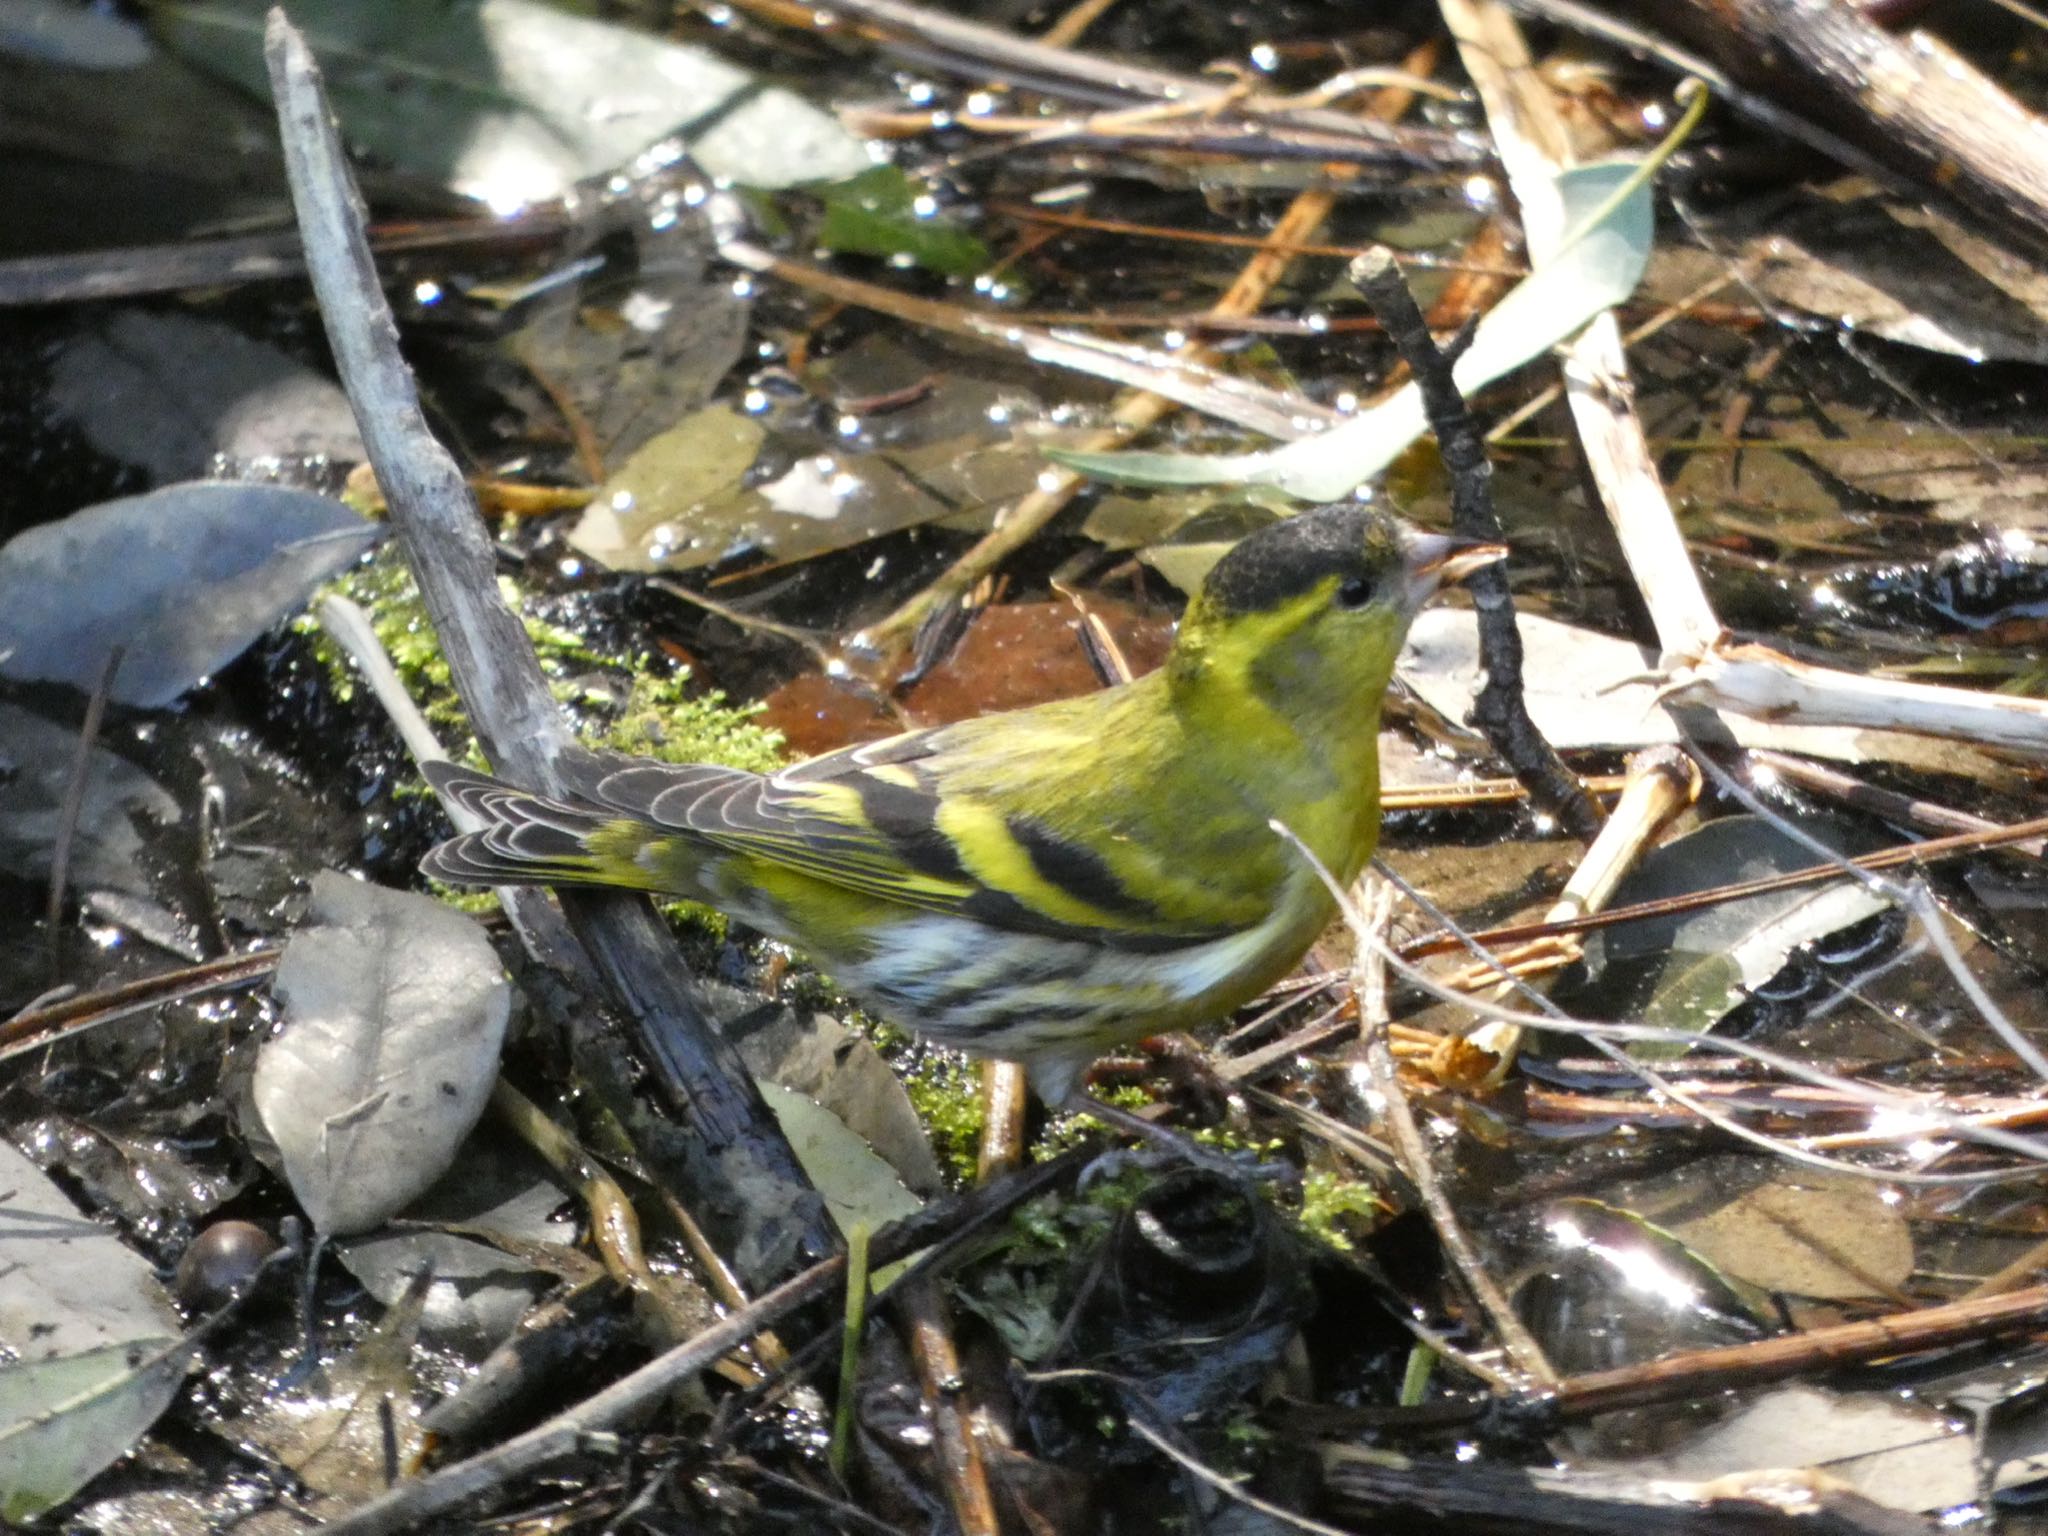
526 839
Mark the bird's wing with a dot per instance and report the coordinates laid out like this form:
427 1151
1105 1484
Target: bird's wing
874 819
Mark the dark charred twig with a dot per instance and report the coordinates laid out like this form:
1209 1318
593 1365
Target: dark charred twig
1370 983
751 1179
940 1227
1499 711
74 802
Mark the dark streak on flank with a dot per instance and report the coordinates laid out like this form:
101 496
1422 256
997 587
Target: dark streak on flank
1001 910
908 819
1078 871
1043 968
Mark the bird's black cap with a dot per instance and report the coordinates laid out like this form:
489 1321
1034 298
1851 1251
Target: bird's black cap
1264 570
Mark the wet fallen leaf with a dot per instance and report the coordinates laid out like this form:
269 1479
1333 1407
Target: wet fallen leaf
814 1055
37 763
395 1009
648 514
634 360
512 102
860 1189
1901 1454
68 1284
1811 1235
1013 655
172 393
64 1420
881 212
344 1431
495 1231
1685 972
183 580
55 33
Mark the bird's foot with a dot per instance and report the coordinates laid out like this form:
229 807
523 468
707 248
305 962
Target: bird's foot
1182 1069
1174 1145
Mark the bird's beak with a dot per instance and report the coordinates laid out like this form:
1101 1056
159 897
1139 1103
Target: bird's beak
1435 560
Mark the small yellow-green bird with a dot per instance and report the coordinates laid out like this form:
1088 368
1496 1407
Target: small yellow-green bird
1046 883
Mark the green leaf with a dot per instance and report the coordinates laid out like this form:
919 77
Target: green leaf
859 1188
877 213
64 1421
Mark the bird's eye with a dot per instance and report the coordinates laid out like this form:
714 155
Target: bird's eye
1355 593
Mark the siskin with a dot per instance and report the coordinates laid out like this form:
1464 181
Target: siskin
1046 883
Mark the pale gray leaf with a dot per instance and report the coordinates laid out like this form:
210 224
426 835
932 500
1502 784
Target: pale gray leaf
74 35
68 1284
496 1231
1900 1454
395 1009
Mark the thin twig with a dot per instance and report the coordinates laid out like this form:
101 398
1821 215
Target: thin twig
1276 1514
1905 810
36 1027
1698 1373
941 1228
1929 851
1609 1040
74 803
957 1441
1369 979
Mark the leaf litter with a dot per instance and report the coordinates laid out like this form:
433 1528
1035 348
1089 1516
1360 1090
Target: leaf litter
804 466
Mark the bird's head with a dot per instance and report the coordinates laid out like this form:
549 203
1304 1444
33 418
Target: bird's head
1309 614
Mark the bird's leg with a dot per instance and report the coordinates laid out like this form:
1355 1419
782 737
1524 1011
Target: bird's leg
1162 1138
1187 1069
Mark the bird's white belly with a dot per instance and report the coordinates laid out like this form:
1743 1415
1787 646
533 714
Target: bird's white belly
958 982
